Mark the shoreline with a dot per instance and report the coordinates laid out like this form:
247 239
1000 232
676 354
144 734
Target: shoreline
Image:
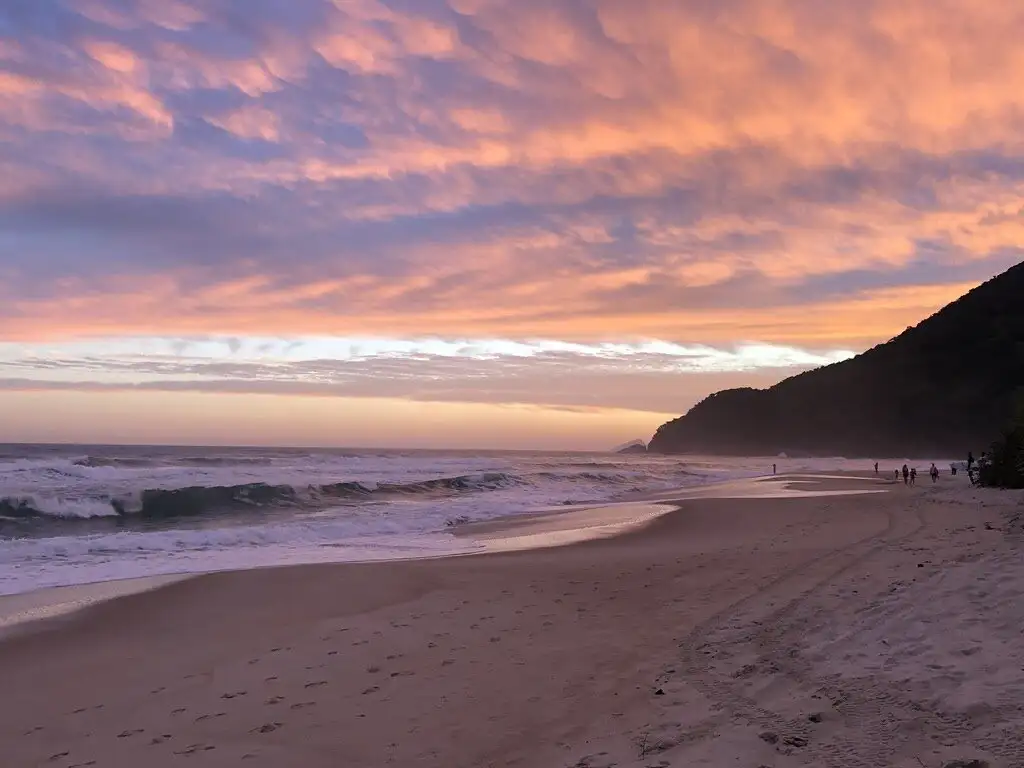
877 629
556 527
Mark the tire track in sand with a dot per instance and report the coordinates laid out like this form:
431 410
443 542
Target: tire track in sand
708 640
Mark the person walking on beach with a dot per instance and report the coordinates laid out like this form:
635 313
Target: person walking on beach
934 472
773 469
876 467
896 475
913 476
906 474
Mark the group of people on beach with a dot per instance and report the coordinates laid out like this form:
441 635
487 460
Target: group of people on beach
910 473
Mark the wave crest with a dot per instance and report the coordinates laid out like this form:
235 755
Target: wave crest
192 501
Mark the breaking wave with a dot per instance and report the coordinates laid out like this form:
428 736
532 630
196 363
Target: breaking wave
113 461
79 514
192 501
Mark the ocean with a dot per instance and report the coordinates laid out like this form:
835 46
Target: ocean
82 514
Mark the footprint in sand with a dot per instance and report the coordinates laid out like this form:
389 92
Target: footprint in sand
193 748
267 728
274 700
302 705
315 684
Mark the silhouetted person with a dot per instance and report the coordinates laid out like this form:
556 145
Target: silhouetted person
970 461
952 469
773 469
913 476
934 472
896 475
876 467
906 474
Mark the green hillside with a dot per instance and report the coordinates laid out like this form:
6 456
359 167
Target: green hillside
943 387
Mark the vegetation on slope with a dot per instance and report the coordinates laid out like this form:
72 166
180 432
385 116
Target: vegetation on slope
1003 465
942 387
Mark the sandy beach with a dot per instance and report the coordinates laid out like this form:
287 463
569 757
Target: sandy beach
878 629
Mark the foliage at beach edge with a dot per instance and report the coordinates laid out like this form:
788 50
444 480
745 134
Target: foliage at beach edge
1003 466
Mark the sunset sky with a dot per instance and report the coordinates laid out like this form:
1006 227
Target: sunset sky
494 223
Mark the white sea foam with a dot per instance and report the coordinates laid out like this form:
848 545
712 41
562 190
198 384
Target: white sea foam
404 508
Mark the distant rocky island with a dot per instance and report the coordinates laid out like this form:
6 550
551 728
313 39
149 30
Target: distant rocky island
633 446
941 388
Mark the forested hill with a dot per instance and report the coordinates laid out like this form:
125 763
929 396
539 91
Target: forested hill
941 388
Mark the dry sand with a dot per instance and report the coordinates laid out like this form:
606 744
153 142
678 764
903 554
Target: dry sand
869 630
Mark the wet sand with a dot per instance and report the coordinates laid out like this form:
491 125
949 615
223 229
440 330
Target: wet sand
869 629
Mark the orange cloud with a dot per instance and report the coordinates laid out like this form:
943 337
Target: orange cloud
250 123
374 307
661 168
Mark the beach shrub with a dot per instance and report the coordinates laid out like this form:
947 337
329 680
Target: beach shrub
1003 465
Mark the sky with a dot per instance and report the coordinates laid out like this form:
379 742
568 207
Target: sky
493 223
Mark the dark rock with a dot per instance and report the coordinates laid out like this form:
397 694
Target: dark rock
769 737
636 446
815 718
795 741
659 692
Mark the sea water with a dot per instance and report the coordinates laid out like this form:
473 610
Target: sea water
82 514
